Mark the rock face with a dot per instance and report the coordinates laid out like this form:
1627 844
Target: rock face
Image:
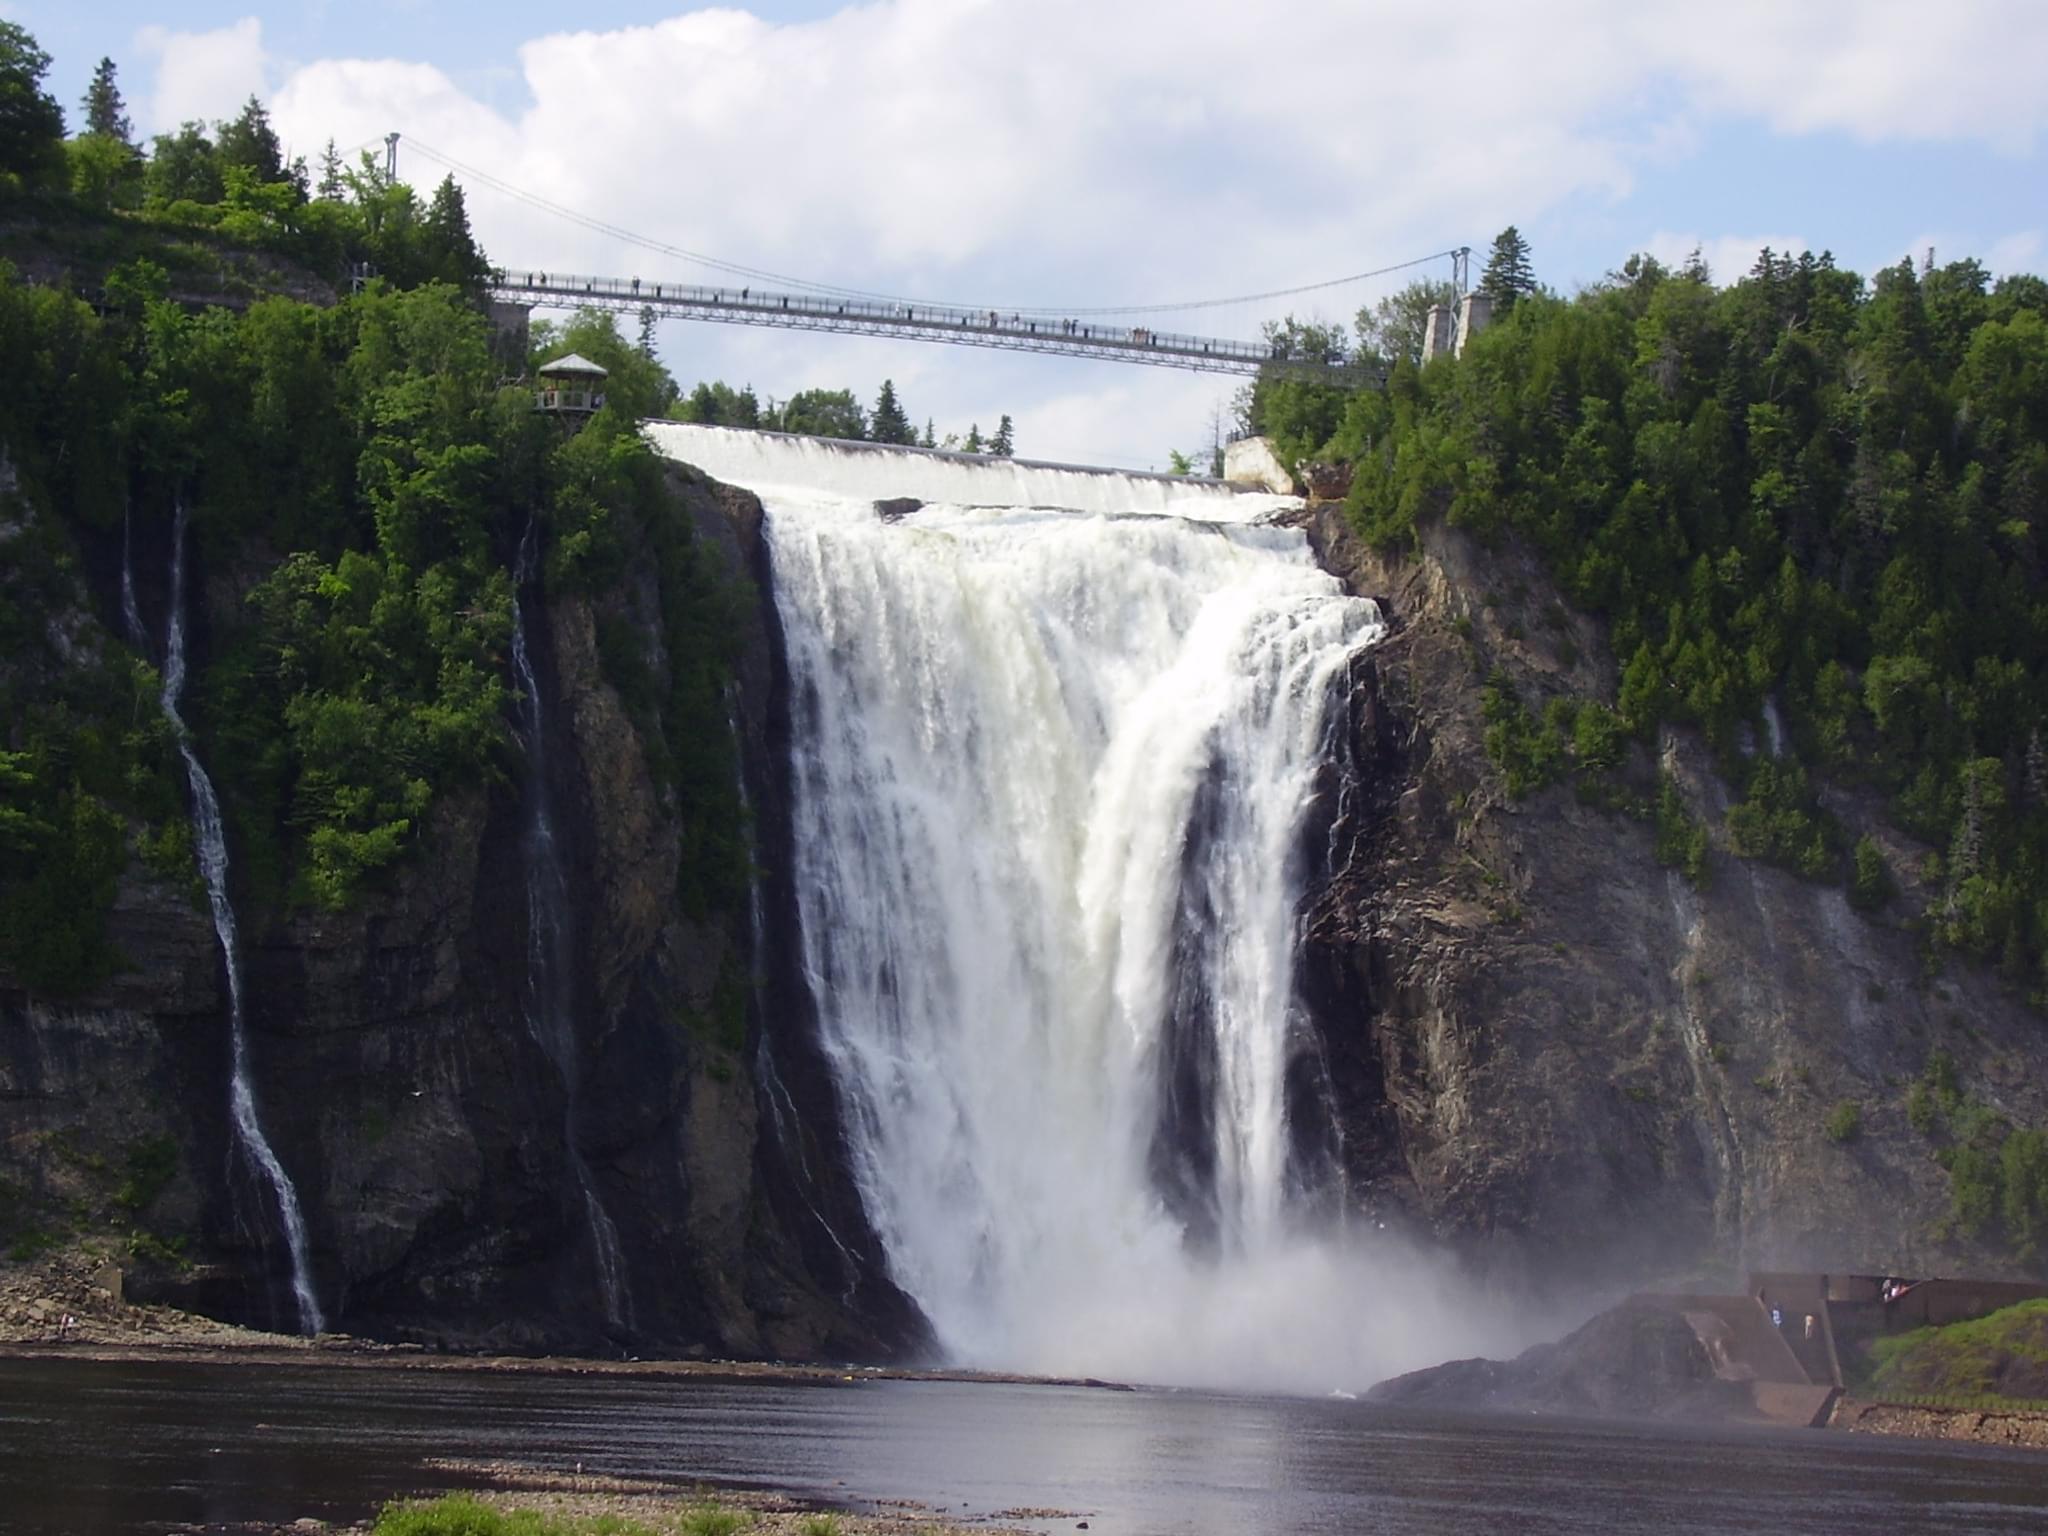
1630 1362
1559 1057
423 1125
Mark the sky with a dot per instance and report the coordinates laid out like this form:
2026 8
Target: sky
1051 153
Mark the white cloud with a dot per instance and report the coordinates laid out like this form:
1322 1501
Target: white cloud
1063 151
201 75
1728 257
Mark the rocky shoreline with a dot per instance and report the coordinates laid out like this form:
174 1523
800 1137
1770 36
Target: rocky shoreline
1982 1426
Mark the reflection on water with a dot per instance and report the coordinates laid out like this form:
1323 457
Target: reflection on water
114 1448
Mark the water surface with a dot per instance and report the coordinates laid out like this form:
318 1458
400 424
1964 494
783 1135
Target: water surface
107 1449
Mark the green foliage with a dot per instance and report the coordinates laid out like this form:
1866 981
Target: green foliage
1779 821
713 1520
460 1514
1393 330
148 1168
1681 838
104 172
31 122
1004 443
1508 275
718 404
1844 1122
1530 754
889 423
1870 883
822 413
1963 1362
1803 492
105 112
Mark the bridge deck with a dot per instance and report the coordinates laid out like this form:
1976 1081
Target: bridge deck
1016 332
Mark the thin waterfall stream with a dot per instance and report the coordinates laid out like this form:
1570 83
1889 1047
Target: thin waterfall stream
1058 740
210 834
550 973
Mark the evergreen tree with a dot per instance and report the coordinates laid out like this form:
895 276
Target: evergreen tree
889 424
105 111
31 122
1508 275
646 341
973 443
931 438
331 184
250 141
450 250
1005 442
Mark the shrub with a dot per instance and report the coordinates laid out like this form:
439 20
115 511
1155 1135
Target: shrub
1844 1122
1870 878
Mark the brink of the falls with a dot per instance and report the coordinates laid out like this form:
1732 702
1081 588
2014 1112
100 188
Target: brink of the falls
1056 742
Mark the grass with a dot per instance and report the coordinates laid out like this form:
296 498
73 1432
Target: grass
460 1515
1966 1364
712 1520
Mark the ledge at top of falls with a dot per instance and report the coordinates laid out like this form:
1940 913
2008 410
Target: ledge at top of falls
758 460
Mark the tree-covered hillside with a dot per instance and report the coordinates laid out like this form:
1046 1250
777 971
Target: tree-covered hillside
1803 503
359 474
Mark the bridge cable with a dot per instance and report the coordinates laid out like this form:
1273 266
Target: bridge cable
603 227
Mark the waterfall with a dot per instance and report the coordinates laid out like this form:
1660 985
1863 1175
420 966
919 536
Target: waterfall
1056 741
210 835
550 975
131 611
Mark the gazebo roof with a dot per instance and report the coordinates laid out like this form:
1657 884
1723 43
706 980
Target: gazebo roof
575 363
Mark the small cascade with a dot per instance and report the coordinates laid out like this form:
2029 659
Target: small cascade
550 972
210 834
131 611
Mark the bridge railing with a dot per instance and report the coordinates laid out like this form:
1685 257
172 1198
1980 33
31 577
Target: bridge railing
772 306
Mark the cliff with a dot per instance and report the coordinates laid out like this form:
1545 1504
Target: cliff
1566 1060
426 1130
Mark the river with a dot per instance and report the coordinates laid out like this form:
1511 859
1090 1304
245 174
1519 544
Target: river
113 1448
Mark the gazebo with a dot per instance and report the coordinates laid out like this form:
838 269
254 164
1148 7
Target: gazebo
570 386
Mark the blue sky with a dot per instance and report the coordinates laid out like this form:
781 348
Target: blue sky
1104 151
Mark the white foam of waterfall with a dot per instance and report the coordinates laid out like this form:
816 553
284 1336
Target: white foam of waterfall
210 835
550 977
1051 773
761 460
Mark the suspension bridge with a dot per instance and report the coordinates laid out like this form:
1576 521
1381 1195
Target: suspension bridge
1017 331
761 298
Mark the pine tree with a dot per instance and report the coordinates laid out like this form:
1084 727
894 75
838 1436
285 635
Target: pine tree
250 140
646 341
331 184
888 423
973 443
1508 275
1005 442
105 111
450 249
931 438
